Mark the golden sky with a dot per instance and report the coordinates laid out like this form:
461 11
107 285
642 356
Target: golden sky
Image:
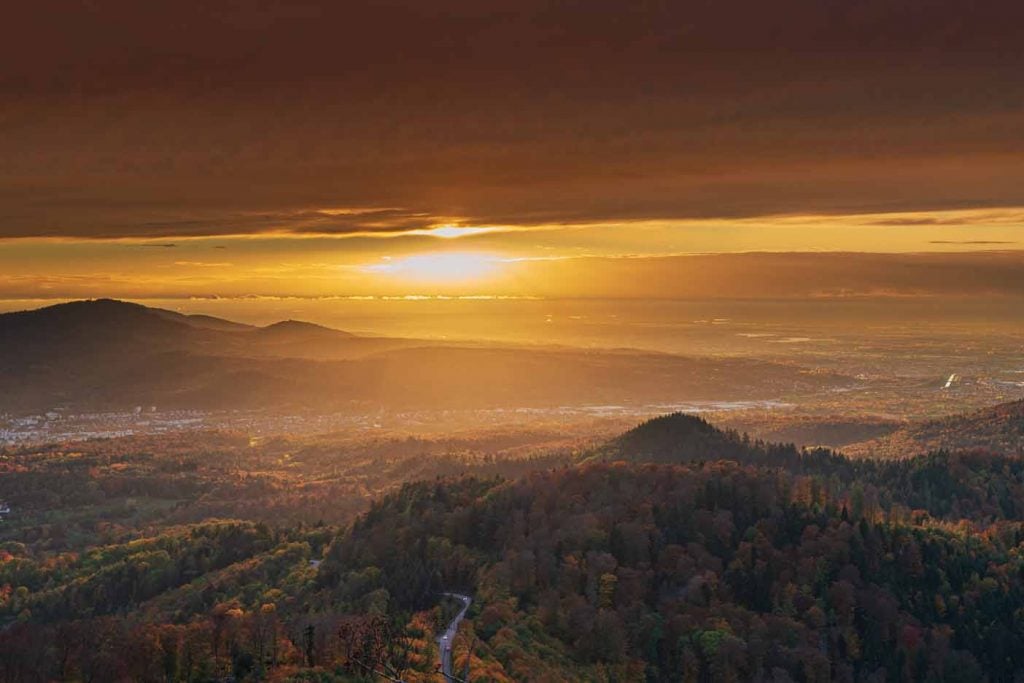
505 148
615 259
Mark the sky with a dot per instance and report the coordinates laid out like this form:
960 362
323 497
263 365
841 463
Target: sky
511 149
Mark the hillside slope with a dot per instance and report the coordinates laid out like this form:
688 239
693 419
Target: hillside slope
760 562
97 355
999 429
714 572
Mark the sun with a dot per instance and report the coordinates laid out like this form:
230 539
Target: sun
453 231
440 268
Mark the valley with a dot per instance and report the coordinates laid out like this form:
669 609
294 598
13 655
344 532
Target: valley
598 514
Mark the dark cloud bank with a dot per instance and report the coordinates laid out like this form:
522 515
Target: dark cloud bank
126 118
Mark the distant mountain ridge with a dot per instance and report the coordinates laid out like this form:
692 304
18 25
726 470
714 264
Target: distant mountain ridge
106 354
299 326
292 329
114 311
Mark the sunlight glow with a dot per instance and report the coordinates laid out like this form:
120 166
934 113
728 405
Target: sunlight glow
446 267
452 231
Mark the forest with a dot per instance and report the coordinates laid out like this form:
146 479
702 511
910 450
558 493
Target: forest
673 552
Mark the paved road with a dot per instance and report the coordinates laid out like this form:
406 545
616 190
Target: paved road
448 637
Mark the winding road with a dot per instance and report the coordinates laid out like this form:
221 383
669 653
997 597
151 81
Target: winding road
448 637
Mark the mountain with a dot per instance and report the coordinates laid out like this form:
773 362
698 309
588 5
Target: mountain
682 438
110 327
624 571
777 565
999 429
674 437
112 354
699 555
290 329
950 484
104 354
101 323
204 321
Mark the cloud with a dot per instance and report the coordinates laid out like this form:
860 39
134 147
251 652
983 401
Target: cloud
784 276
1004 216
323 117
973 242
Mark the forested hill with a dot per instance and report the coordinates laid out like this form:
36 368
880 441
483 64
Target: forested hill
981 485
674 552
998 428
669 437
680 437
681 551
696 572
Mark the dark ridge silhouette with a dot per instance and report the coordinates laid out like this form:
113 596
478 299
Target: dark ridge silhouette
77 316
677 437
298 327
668 432
208 322
110 355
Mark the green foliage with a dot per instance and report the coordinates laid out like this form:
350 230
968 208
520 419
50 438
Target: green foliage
677 551
733 571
